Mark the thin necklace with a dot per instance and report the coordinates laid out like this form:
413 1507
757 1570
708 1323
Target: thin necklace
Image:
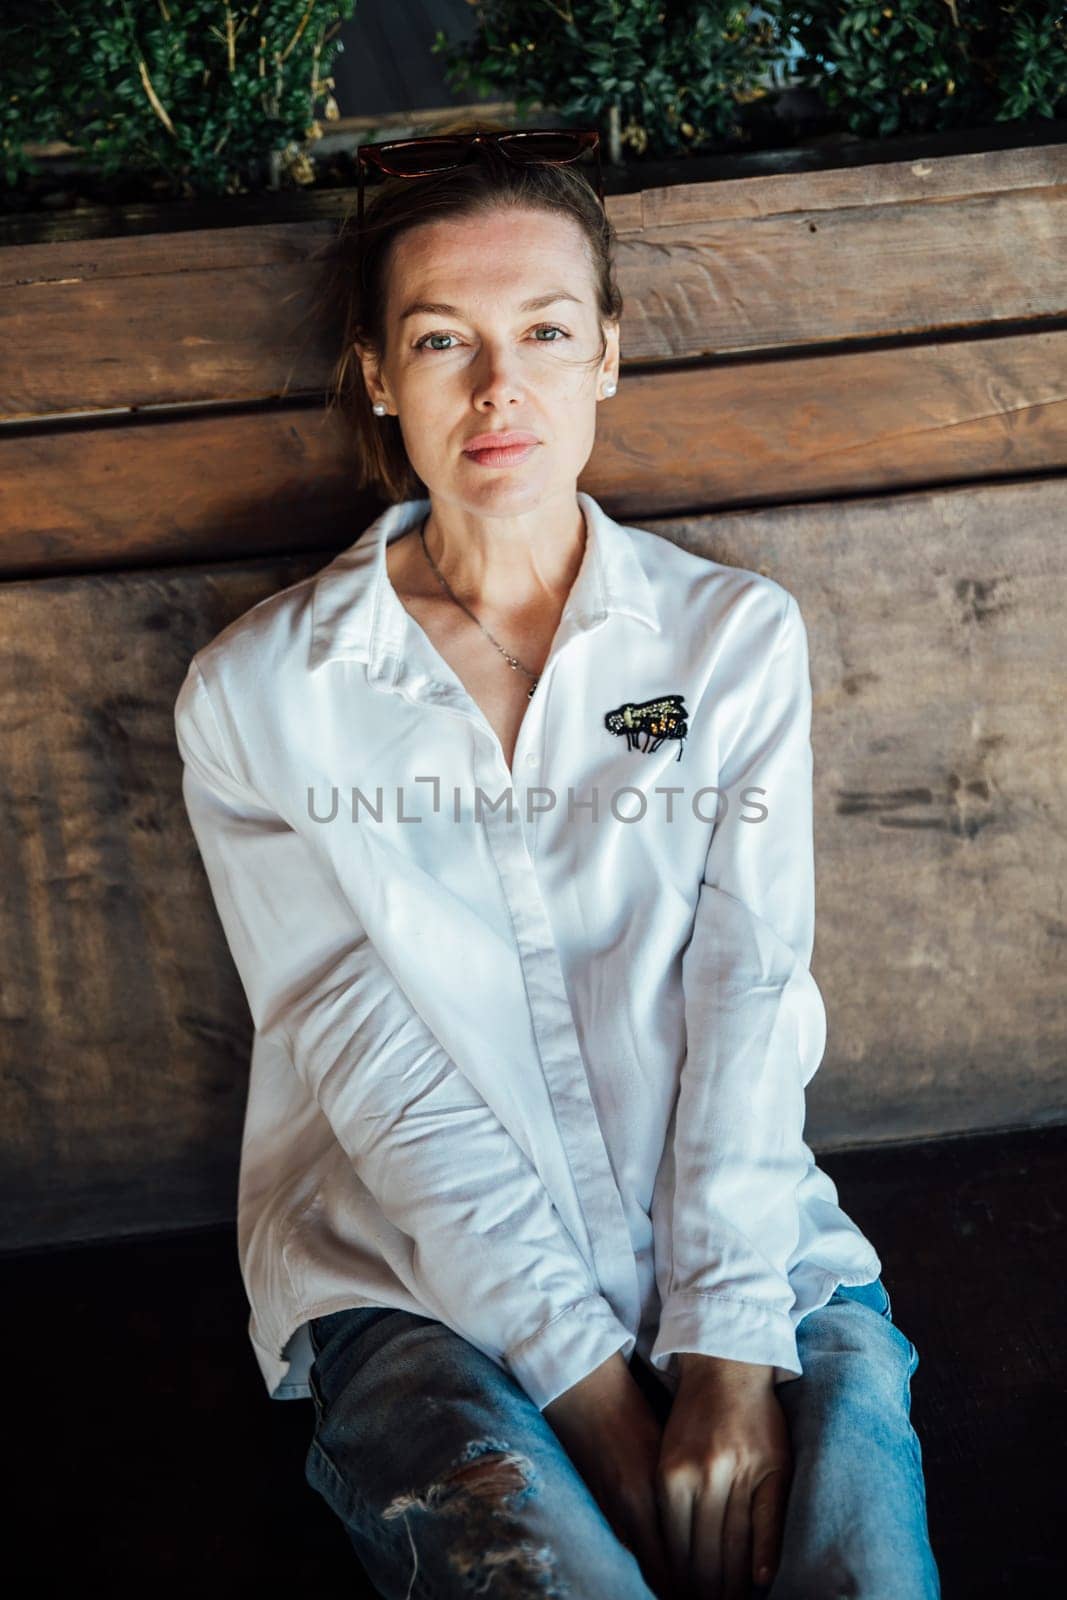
513 661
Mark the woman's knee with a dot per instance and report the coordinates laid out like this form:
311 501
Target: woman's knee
443 1468
407 1407
854 1359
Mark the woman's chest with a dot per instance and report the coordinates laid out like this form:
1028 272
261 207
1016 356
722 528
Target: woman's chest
501 694
500 691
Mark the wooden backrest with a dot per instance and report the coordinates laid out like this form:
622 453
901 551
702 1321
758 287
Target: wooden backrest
850 379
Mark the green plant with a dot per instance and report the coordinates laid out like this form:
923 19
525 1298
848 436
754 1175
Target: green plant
196 92
919 65
669 75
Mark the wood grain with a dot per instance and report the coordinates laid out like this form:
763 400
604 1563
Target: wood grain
123 1027
712 437
939 673
752 264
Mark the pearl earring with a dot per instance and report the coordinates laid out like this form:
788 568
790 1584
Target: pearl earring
380 408
609 389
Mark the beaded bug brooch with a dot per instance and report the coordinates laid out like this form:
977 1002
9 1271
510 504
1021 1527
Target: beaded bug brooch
660 719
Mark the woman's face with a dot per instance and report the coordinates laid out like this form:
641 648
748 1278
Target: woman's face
483 360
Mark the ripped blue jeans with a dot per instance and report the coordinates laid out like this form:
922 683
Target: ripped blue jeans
450 1482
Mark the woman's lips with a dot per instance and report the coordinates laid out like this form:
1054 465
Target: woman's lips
507 457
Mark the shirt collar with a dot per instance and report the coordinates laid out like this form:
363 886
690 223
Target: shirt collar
357 615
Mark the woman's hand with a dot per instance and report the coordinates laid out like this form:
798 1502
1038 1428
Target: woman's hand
724 1472
613 1436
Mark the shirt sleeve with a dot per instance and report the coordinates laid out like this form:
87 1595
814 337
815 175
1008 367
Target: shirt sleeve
491 1257
726 1215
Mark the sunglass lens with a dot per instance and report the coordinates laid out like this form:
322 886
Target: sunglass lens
548 146
409 161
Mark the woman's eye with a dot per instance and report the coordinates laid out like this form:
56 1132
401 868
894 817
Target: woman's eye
542 327
423 342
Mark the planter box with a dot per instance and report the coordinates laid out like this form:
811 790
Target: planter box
849 377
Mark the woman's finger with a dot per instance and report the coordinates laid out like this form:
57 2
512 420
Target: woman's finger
675 1500
709 1518
768 1520
737 1543
651 1552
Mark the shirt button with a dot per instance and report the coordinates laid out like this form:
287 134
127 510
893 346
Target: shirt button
531 759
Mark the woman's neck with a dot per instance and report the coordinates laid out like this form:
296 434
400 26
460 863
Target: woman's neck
504 564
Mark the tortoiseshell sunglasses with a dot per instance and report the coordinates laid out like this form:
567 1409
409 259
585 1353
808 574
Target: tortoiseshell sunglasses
419 158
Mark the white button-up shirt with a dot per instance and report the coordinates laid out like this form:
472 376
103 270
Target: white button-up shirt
530 1046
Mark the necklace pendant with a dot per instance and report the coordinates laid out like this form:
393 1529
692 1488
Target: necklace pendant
532 689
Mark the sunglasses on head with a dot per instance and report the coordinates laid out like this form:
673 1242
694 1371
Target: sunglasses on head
419 158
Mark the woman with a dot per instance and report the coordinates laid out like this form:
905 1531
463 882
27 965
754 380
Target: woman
525 1204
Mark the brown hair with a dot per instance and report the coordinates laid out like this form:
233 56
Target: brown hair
361 265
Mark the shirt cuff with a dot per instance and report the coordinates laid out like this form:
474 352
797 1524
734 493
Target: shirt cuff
718 1325
567 1348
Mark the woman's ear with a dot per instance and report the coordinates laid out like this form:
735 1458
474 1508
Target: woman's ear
372 373
609 367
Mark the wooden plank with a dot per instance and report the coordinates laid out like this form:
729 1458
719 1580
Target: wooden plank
219 314
753 264
736 434
823 274
123 1053
939 674
990 175
625 180
939 671
749 434
146 492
